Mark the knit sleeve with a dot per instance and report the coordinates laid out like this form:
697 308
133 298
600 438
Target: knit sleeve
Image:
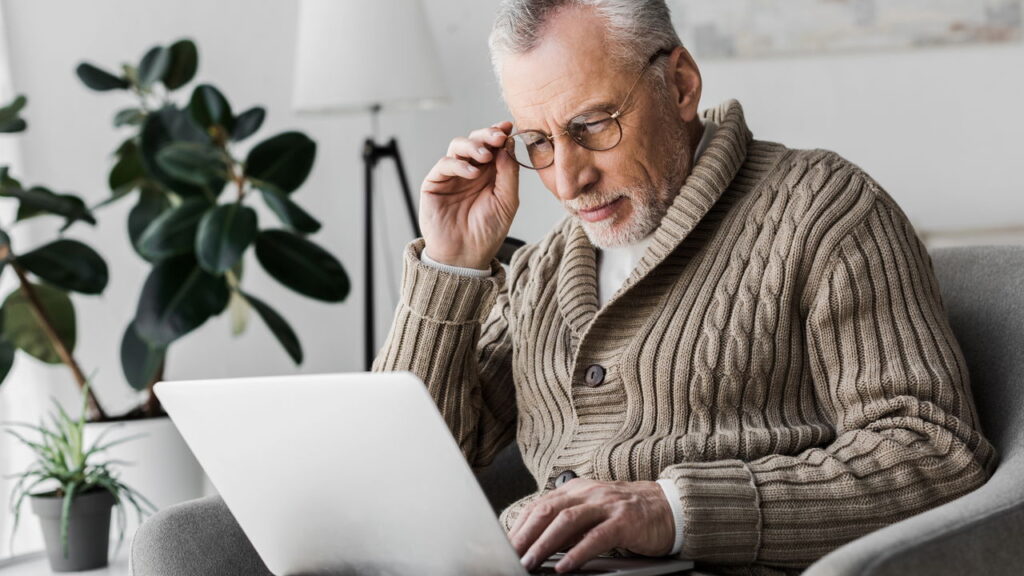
452 331
889 375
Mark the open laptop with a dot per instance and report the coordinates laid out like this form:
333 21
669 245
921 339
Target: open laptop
351 474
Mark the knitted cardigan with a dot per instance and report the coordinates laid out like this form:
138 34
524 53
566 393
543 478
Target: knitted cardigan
781 353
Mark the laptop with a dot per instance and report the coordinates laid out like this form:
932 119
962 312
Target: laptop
351 474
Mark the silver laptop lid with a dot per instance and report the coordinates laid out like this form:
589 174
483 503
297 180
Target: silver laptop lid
342 473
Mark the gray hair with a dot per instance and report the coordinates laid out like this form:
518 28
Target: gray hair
636 28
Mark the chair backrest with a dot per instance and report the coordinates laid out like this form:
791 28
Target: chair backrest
983 291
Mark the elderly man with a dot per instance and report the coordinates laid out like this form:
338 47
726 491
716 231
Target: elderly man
728 350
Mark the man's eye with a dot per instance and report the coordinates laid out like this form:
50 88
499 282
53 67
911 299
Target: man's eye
596 126
589 126
539 145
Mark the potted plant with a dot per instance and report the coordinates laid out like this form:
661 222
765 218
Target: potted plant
71 492
193 221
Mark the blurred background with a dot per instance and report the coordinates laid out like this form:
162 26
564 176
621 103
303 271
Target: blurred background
937 121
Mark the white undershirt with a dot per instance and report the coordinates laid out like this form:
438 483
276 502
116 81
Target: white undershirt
614 267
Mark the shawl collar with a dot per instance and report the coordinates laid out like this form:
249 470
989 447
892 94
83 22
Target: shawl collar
711 176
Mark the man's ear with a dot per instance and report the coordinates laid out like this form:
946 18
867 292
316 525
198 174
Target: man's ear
684 82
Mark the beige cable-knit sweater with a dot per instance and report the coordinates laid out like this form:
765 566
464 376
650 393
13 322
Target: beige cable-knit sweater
781 352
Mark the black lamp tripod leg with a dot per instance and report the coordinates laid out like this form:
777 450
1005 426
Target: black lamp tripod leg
369 161
413 218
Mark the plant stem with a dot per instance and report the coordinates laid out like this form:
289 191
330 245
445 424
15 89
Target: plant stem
239 179
152 407
58 344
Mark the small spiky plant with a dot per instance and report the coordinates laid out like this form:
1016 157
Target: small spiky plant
62 459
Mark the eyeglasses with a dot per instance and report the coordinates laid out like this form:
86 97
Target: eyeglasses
595 130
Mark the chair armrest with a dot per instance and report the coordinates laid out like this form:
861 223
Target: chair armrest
196 538
979 533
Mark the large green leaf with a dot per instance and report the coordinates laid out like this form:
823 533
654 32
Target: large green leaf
224 234
210 108
153 66
184 63
247 123
140 360
99 79
5 250
178 297
161 128
152 203
38 200
284 160
302 265
68 264
174 232
23 329
289 212
129 172
129 117
7 351
10 121
280 328
195 163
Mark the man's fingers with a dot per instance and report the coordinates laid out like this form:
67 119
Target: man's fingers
448 168
518 524
600 539
566 528
507 182
558 498
539 515
493 137
470 148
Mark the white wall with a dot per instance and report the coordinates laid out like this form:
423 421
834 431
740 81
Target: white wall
940 129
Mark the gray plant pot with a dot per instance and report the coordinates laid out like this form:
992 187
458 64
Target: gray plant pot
88 530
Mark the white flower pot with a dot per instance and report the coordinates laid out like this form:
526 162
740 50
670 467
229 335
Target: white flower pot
160 466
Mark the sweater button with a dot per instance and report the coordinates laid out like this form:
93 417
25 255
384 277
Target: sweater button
564 477
594 376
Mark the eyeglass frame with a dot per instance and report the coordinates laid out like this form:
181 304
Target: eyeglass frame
565 131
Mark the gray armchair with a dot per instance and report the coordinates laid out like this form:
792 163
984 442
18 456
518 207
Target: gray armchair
981 533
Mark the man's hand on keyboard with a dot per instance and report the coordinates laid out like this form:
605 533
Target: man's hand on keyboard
594 517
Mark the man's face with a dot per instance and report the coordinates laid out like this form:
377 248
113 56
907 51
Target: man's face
619 195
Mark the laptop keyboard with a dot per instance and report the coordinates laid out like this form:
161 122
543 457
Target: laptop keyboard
551 570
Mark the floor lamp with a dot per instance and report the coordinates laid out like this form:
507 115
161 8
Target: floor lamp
365 57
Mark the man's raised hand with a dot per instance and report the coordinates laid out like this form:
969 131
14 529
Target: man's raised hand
469 198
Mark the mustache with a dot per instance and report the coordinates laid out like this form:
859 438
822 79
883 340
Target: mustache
592 200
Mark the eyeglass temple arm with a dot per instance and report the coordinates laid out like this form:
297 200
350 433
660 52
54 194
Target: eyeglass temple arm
655 56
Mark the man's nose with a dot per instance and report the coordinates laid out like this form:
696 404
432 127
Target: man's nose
574 169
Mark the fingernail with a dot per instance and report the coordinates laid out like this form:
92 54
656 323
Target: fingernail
483 151
565 565
472 168
527 561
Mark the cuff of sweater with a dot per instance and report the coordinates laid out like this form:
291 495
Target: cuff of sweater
675 502
458 270
442 296
722 509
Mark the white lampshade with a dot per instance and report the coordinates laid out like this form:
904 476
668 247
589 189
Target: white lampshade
355 54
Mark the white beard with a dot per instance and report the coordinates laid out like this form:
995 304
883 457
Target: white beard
648 208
